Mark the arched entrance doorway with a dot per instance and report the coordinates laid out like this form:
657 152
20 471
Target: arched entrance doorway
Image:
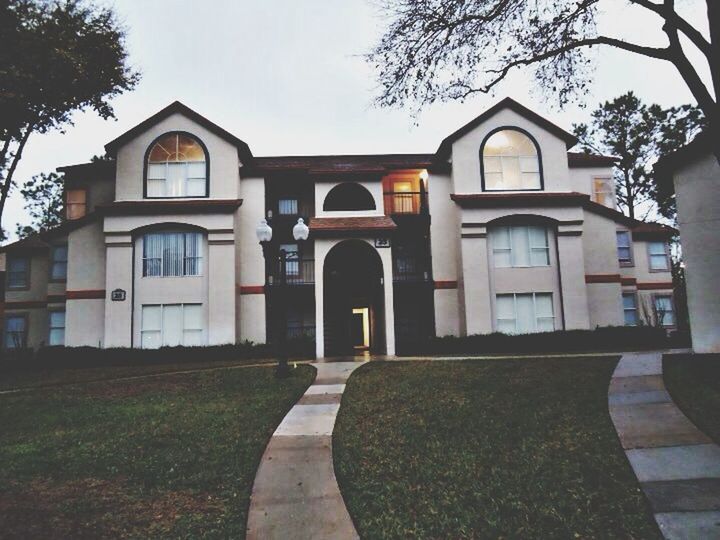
354 315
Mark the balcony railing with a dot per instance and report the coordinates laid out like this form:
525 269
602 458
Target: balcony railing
411 269
297 272
405 202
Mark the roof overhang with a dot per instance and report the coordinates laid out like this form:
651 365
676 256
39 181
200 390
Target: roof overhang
327 227
443 151
165 207
176 107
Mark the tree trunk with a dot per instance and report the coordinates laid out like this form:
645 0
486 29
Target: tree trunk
7 182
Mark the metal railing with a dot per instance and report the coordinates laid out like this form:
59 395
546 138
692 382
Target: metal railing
405 202
297 272
409 269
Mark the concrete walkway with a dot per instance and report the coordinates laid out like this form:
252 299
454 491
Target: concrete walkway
677 465
295 494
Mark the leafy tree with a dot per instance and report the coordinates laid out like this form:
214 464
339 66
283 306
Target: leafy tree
638 135
451 49
56 58
44 202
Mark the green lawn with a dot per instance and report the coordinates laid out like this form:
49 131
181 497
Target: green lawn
693 381
172 456
486 449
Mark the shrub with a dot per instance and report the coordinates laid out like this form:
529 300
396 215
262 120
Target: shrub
91 357
609 338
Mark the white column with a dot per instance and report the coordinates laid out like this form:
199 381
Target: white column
221 290
321 250
386 258
572 275
476 281
118 275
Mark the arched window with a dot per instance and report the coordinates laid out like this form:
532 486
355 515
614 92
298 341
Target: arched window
177 166
349 196
510 161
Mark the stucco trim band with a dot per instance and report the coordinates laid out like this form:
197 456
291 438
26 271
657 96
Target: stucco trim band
251 289
654 286
445 285
88 294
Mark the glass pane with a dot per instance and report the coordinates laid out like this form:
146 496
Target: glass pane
520 246
288 207
172 260
538 237
492 165
545 324
156 188
192 314
529 164
540 257
624 254
189 149
658 262
506 326
657 248
175 183
505 306
156 171
60 254
664 310
56 336
151 318
543 305
509 142
150 339
502 258
500 237
511 173
493 181
76 196
196 187
630 317
629 301
525 313
59 270
172 319
57 319
15 324
17 265
196 170
164 149
623 239
193 254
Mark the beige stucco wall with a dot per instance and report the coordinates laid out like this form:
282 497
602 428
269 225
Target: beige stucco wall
85 318
322 248
697 188
223 157
466 157
250 265
444 246
322 188
581 178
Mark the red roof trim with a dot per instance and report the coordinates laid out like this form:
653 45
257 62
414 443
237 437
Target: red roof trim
185 206
324 225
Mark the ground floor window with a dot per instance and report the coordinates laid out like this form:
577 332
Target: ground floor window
525 313
630 309
664 312
56 335
170 325
15 331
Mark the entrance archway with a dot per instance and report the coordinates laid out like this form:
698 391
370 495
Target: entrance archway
353 300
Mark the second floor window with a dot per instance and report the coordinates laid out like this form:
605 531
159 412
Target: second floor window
604 192
624 249
58 270
177 167
75 203
659 258
172 254
288 207
520 246
510 161
18 273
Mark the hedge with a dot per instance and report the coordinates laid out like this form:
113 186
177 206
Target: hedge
609 338
93 357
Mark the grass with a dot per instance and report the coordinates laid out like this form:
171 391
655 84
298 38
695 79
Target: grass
693 381
166 457
38 378
501 449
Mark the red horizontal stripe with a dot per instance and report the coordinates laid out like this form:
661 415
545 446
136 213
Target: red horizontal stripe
446 284
603 278
252 289
656 285
87 294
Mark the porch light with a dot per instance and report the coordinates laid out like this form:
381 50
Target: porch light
424 175
264 231
300 230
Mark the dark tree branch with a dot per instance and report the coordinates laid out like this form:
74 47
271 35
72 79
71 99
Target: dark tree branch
7 181
673 18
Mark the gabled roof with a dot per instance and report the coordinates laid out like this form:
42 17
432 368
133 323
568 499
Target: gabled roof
701 144
583 159
177 107
507 103
39 241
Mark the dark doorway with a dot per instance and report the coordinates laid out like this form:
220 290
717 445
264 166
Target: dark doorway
353 299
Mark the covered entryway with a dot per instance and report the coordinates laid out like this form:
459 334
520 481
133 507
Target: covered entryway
354 299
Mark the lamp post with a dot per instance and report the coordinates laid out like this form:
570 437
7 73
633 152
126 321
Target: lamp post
264 236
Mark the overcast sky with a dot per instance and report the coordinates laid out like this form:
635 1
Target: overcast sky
288 77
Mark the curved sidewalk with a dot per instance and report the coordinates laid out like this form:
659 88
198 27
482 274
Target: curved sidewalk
295 494
677 465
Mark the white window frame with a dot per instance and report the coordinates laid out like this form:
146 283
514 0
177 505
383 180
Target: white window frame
185 257
488 172
631 260
59 263
535 316
666 254
56 328
23 333
513 252
634 309
161 329
669 296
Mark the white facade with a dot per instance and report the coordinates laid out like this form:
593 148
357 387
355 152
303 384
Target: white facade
482 236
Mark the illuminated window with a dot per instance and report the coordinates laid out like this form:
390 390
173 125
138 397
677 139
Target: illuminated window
177 167
75 203
510 162
604 192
